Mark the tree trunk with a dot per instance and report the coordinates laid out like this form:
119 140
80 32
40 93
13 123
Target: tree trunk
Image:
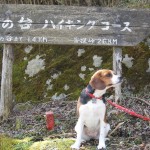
6 82
117 67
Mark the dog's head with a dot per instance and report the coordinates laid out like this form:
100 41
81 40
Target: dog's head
104 78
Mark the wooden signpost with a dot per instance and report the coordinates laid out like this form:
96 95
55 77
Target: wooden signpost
73 25
68 25
6 82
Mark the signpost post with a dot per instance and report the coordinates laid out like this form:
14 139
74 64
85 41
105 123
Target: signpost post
117 58
70 25
6 82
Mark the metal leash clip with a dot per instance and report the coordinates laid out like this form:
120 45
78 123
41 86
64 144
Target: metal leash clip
94 100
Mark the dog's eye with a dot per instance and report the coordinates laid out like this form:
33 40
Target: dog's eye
109 75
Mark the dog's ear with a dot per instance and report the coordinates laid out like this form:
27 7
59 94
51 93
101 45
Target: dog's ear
97 83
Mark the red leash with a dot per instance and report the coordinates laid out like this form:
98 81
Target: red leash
129 111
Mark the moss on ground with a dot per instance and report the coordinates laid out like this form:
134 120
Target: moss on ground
60 144
7 143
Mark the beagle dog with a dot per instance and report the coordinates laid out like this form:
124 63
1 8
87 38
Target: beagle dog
91 108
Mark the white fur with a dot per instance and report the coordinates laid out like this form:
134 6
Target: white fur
115 79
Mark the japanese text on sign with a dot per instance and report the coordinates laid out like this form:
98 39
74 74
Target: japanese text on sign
76 40
26 23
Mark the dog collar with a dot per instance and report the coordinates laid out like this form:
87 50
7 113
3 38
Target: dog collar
87 95
89 91
92 96
84 96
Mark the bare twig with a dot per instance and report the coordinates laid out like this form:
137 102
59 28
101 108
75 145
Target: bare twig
121 123
146 114
140 100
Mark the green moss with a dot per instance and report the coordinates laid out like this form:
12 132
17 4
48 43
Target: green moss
64 59
137 75
138 141
60 144
137 4
18 123
6 143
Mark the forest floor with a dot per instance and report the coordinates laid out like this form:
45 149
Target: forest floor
26 126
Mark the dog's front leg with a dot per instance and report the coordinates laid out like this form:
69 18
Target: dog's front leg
79 129
102 135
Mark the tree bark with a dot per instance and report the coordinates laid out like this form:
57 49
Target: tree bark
117 67
6 82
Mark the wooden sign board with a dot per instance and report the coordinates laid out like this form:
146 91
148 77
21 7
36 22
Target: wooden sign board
73 25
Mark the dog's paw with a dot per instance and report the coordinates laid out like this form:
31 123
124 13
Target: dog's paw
75 147
101 149
101 146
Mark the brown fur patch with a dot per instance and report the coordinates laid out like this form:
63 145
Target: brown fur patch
101 79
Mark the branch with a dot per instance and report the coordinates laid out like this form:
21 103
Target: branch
140 100
121 123
146 114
